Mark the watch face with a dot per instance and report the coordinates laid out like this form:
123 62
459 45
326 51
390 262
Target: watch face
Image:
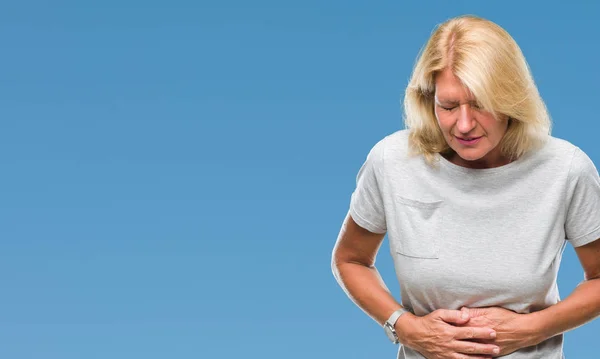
390 333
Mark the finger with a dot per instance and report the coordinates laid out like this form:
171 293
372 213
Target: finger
473 348
453 316
474 333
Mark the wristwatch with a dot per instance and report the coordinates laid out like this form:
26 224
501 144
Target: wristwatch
389 328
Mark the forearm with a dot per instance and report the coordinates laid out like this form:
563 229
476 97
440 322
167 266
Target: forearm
366 289
580 307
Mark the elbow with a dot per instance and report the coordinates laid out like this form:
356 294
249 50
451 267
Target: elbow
335 261
335 270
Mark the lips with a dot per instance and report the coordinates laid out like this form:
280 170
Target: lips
468 138
468 141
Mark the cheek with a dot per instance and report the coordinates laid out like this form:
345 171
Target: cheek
495 130
446 128
443 122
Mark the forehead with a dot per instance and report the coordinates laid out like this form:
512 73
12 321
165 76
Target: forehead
449 87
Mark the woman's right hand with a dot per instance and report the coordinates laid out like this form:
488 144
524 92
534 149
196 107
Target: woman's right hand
434 336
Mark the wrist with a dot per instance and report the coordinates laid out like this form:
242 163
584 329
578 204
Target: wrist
405 326
534 328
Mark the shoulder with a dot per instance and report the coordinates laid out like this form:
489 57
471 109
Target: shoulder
555 152
386 152
567 155
391 156
398 140
393 145
582 166
558 147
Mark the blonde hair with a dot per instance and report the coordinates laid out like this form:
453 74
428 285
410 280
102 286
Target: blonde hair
490 64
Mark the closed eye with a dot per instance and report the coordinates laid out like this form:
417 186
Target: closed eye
474 106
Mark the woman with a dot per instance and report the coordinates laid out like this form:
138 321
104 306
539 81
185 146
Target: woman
478 201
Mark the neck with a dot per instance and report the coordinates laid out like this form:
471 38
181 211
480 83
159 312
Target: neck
485 162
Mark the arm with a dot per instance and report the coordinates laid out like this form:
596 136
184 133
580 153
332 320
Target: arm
581 306
353 266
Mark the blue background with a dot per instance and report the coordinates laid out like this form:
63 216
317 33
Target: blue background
175 174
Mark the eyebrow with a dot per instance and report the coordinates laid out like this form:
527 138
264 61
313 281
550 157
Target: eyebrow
447 102
450 102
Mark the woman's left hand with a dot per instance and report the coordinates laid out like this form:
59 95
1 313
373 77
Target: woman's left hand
513 330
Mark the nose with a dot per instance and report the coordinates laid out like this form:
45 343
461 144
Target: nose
466 121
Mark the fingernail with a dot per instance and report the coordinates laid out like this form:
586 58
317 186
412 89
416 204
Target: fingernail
496 350
492 334
465 315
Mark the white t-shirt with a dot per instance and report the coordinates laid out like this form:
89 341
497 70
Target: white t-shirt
479 237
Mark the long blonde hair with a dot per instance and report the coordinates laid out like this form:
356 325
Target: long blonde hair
491 65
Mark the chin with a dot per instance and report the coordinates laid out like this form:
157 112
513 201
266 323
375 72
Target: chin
470 158
471 155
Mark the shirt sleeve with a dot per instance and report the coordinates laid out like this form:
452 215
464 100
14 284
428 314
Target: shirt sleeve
582 225
366 203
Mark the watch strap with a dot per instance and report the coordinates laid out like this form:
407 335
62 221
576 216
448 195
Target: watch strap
395 315
389 325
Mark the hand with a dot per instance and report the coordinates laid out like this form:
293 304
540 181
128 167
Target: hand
435 336
512 329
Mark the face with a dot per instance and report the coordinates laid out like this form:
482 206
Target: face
472 133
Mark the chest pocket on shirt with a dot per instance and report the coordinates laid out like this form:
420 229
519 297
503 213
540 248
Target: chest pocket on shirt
419 227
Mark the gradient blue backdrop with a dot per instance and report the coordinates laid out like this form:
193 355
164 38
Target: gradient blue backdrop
175 173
